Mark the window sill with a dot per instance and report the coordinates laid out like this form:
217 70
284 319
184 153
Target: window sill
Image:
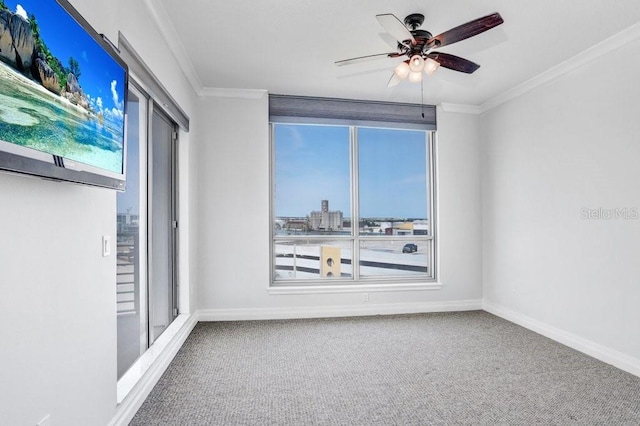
351 288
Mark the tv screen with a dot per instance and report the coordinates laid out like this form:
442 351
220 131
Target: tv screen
63 92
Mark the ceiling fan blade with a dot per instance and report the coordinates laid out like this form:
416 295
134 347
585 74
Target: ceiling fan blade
367 58
389 40
394 80
453 62
396 28
467 30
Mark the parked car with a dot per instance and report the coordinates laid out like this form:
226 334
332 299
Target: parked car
409 248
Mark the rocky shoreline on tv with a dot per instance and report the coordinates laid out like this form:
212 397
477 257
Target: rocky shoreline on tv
42 92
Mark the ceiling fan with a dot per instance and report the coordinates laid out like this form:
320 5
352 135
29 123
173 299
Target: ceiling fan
419 46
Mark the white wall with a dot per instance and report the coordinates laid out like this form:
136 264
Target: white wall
459 205
58 340
233 196
233 178
563 147
58 302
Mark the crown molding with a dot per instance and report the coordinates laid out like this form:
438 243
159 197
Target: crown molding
172 39
461 108
216 92
617 41
595 52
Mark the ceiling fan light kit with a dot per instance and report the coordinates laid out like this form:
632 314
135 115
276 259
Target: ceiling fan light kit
430 66
416 64
419 46
402 70
415 77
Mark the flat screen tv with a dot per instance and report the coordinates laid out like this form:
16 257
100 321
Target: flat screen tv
63 92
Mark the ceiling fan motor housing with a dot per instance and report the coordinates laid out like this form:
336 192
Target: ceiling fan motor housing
421 37
413 22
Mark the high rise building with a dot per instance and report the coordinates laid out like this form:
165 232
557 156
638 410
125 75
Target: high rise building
325 220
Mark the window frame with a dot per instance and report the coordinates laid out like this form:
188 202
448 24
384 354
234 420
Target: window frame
356 281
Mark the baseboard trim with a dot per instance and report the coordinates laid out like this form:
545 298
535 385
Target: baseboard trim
135 398
597 351
243 314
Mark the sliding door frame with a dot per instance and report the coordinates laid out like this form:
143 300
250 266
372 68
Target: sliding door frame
153 108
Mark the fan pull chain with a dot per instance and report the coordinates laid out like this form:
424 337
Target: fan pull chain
422 95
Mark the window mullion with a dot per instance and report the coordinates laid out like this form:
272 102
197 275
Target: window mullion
431 162
355 208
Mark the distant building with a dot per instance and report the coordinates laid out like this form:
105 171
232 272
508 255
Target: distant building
325 220
297 224
403 228
127 222
421 227
415 227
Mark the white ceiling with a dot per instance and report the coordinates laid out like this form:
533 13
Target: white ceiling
290 46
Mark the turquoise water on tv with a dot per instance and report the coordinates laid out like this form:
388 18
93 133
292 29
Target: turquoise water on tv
35 118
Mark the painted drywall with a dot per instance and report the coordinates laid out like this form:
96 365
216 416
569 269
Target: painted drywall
557 163
233 215
59 336
58 341
233 196
459 204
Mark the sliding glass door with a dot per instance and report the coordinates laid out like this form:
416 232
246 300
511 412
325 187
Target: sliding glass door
146 220
163 224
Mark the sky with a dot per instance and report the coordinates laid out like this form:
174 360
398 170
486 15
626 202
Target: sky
66 38
312 163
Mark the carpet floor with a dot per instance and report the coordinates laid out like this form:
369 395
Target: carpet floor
459 368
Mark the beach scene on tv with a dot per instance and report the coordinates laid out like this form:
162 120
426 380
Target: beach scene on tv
60 92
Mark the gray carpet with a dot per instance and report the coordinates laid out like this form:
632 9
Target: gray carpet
425 369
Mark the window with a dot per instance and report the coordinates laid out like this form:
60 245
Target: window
351 204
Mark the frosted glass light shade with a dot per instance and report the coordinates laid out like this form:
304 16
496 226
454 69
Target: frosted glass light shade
430 66
402 70
394 80
416 63
415 77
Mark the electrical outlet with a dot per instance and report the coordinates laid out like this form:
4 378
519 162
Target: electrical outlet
365 298
46 421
